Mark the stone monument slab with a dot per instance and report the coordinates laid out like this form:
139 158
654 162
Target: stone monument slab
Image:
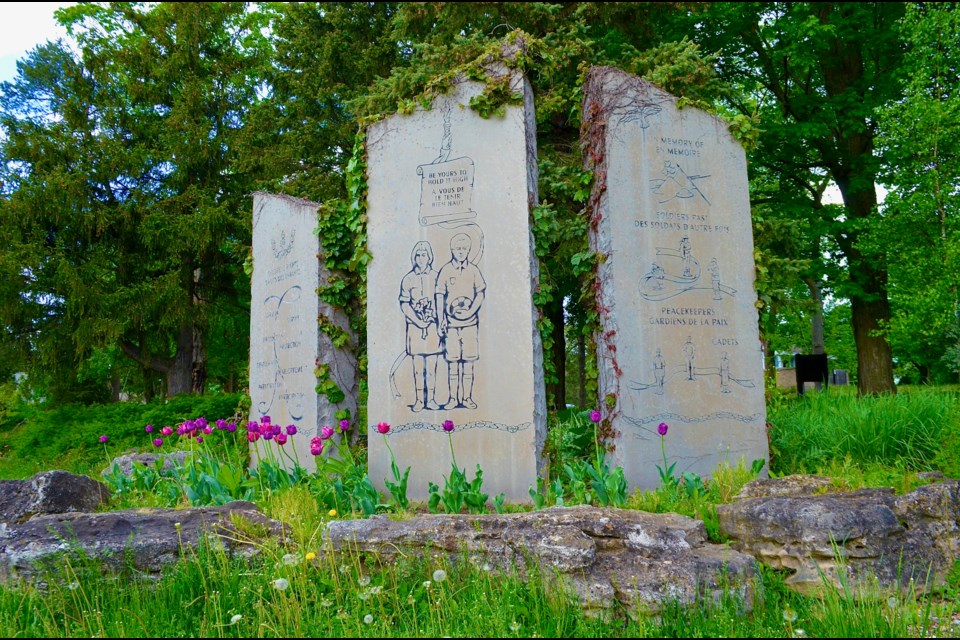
287 347
451 323
679 340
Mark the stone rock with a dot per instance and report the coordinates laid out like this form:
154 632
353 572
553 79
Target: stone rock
451 324
126 462
298 342
785 487
49 492
678 340
143 539
600 556
872 536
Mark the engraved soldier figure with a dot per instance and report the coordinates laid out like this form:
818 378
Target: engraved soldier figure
417 302
459 295
659 372
714 270
685 256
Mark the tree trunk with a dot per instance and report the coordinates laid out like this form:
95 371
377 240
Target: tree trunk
816 320
874 356
198 373
558 355
582 369
180 375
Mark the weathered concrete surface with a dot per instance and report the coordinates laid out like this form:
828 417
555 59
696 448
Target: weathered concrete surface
601 556
670 223
451 324
874 536
49 492
289 353
143 539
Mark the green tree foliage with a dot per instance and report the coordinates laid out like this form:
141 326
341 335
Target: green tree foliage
921 228
816 74
125 216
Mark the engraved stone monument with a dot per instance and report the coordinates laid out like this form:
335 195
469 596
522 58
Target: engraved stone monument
287 348
451 324
679 342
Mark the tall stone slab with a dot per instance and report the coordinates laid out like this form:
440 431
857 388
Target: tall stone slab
287 348
451 323
679 341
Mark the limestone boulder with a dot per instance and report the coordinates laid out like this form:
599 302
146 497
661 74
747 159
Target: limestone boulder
142 539
49 492
169 461
601 556
867 538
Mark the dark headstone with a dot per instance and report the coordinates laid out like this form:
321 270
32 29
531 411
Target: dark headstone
811 368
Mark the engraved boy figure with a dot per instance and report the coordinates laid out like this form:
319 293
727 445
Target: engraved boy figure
417 298
460 293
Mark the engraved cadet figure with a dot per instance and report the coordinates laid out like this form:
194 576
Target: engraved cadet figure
688 352
417 297
724 373
659 372
460 293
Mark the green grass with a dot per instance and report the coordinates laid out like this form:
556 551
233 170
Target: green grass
908 431
34 438
881 441
203 594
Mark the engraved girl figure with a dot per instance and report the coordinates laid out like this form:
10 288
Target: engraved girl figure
417 295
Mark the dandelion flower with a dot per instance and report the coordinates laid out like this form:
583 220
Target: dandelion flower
789 614
73 586
426 584
281 584
367 619
515 626
326 603
363 581
236 618
375 591
311 556
332 513
364 595
439 575
290 559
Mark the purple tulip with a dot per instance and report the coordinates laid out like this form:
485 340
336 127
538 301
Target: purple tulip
268 435
208 429
221 424
148 428
291 429
316 445
344 426
595 416
662 429
281 439
166 431
383 427
158 442
448 425
253 427
104 439
265 420
231 427
199 439
326 432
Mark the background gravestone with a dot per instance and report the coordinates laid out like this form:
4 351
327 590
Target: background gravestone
451 324
679 341
287 349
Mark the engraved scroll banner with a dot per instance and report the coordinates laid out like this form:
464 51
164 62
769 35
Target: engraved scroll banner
446 191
